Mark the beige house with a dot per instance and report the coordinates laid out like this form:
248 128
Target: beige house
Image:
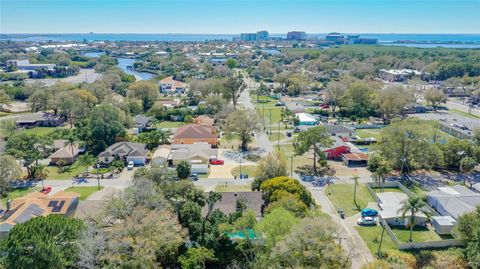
65 155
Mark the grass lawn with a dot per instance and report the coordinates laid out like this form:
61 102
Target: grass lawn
265 113
168 124
55 172
17 193
250 170
4 114
40 130
465 114
371 235
232 188
341 196
420 234
367 133
84 192
275 135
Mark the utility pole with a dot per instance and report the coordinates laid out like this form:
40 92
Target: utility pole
278 136
270 121
291 166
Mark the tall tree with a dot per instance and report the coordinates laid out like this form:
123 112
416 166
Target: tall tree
104 125
183 169
244 123
270 166
434 97
335 94
233 87
413 206
9 172
391 101
28 147
311 139
469 230
42 242
146 91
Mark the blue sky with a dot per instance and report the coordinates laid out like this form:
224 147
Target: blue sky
235 16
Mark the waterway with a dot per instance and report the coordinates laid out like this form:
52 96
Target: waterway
124 63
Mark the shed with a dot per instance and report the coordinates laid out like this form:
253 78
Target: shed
355 159
443 224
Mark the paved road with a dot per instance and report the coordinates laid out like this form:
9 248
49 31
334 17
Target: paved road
351 240
261 138
461 107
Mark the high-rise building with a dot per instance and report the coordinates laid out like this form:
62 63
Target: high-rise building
336 38
296 35
248 36
262 35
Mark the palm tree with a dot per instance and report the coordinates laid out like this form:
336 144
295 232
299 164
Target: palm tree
87 160
413 205
355 179
70 142
382 170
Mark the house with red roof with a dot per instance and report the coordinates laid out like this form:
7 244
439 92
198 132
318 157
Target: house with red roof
194 133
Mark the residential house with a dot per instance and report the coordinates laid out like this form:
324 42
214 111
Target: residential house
65 155
169 103
199 153
193 133
306 119
37 204
42 119
169 85
340 131
391 204
125 151
231 202
453 201
142 122
355 159
160 156
336 150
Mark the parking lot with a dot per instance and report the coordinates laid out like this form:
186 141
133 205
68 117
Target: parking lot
453 120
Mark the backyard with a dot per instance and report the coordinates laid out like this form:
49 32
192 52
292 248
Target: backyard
84 192
371 235
341 196
40 131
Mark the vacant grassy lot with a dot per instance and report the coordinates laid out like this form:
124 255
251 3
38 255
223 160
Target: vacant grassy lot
233 188
84 192
17 193
69 172
276 114
341 196
168 124
232 143
371 235
367 133
250 170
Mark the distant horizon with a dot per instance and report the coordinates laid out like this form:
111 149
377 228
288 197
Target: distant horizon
237 33
237 16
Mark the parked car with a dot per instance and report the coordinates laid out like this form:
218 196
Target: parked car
46 190
130 165
325 106
297 130
341 213
193 177
369 212
214 161
367 221
289 134
280 103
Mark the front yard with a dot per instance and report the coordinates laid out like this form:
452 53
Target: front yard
250 170
233 188
84 192
371 235
40 131
341 196
63 173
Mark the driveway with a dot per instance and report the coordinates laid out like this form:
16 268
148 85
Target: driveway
351 241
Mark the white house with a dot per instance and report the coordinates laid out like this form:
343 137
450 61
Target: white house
306 119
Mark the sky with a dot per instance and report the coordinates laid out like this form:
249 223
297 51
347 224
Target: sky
235 16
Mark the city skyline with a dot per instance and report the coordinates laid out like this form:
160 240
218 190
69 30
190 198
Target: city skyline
234 17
